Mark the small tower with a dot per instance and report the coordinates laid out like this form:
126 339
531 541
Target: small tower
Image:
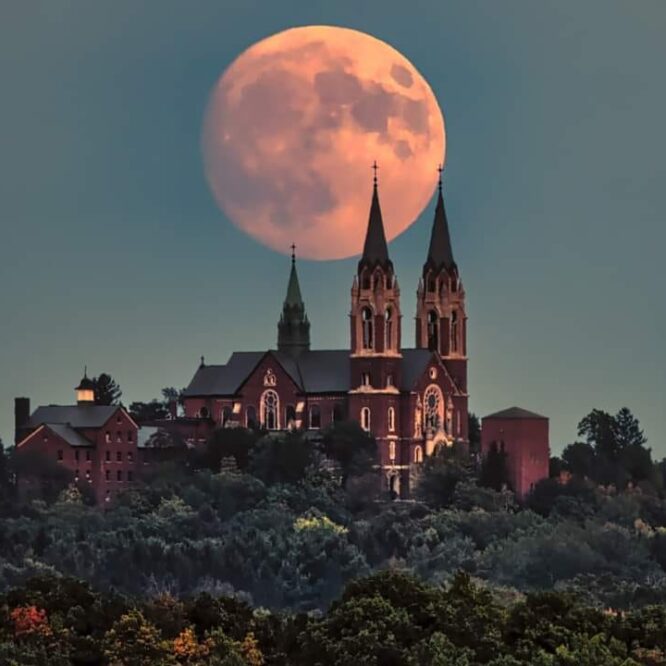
293 327
441 323
85 391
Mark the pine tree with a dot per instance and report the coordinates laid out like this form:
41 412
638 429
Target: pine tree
107 391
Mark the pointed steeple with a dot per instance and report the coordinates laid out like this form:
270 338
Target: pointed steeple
293 288
375 250
440 253
293 327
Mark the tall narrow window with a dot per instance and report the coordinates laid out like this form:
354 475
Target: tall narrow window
251 417
130 436
107 437
315 417
366 320
365 418
225 417
454 331
119 437
290 414
388 328
60 454
418 454
270 406
433 330
365 379
392 451
391 419
338 413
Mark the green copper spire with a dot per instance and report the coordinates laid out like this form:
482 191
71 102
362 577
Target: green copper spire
293 327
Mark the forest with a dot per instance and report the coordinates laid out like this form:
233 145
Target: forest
279 550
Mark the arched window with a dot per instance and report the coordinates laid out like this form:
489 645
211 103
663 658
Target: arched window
338 413
392 451
270 410
389 380
251 417
368 333
290 416
433 404
454 331
433 330
204 413
418 454
225 417
388 328
365 419
391 419
315 417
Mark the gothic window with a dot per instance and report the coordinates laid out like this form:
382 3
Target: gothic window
433 403
449 420
391 419
251 417
315 417
458 423
454 331
365 419
389 380
290 414
392 451
365 379
366 320
225 417
433 330
388 328
338 413
270 405
418 454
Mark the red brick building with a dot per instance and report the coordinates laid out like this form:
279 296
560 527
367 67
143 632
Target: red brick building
523 436
411 399
98 444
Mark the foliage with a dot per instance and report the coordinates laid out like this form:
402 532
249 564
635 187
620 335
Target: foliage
442 472
107 391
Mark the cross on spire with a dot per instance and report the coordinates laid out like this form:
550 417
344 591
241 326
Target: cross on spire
440 168
374 168
293 253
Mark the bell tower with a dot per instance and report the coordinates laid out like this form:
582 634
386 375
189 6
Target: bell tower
441 322
375 295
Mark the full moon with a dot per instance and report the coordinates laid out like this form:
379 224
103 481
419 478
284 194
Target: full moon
293 126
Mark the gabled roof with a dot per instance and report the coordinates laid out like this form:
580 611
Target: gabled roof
515 413
70 435
76 416
313 371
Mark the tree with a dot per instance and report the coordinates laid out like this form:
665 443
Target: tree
107 391
354 449
229 443
579 458
440 475
474 433
494 470
281 458
627 430
598 428
133 641
145 412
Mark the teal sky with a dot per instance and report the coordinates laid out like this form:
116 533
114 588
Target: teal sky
113 253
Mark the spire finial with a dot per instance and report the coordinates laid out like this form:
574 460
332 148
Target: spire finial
440 168
374 168
293 254
85 370
203 362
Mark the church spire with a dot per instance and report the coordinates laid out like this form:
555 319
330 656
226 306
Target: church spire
440 254
293 327
375 250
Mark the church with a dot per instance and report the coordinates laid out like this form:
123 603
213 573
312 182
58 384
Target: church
412 399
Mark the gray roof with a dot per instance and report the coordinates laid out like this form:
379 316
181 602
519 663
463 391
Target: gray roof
70 435
515 413
439 252
313 371
375 250
76 416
